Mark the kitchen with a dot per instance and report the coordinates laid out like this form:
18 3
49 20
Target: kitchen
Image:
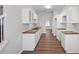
63 24
34 21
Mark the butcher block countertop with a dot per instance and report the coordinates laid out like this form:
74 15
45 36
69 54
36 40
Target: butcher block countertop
32 31
69 32
61 29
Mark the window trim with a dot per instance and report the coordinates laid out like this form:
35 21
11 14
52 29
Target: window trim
4 41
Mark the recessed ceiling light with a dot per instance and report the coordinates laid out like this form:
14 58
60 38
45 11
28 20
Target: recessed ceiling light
47 6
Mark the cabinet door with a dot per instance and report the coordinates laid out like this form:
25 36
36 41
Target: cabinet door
74 14
36 40
29 42
58 35
35 18
62 40
26 15
69 18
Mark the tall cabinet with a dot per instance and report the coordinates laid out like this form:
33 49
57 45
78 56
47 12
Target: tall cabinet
73 14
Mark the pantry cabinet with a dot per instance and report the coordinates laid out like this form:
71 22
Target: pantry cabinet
73 14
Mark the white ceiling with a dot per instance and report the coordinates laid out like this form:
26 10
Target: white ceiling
41 8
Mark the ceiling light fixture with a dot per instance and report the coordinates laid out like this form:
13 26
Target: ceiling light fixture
47 6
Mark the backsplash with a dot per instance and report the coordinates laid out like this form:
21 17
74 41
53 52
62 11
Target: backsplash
69 26
25 27
34 25
29 26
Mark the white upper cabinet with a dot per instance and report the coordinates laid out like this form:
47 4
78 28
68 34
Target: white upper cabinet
35 16
29 16
69 15
26 13
35 19
73 14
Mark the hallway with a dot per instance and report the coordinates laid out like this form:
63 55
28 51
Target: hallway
48 44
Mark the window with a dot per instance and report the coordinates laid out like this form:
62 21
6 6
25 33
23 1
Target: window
47 23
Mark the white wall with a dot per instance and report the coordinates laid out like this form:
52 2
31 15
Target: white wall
42 18
13 29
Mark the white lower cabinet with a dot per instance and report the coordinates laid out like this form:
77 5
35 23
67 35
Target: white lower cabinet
30 40
62 39
70 42
58 35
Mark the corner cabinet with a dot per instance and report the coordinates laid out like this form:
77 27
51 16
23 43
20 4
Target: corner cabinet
26 15
73 14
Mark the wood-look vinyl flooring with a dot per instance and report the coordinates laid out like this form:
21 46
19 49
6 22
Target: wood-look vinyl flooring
49 44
